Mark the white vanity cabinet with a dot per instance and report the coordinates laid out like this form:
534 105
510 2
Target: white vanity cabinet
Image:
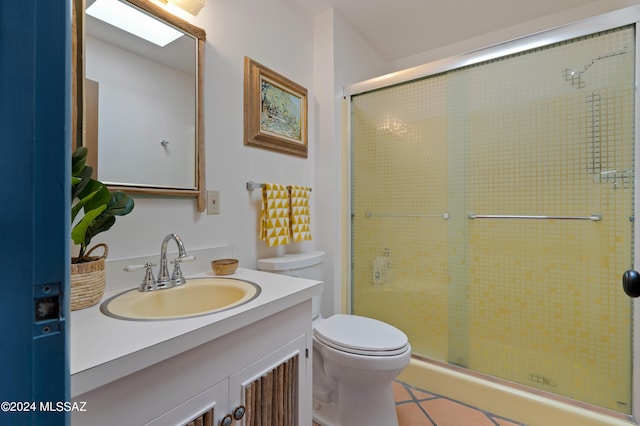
207 408
267 391
264 366
270 389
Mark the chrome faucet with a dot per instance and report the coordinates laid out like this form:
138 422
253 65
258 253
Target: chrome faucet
164 280
176 278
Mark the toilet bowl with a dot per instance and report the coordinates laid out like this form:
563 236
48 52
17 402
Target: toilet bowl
355 359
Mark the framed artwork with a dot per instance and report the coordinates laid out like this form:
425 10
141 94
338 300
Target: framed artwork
275 111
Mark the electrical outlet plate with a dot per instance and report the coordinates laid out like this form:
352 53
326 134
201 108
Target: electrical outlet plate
213 202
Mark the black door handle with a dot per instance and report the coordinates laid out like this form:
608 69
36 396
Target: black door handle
631 283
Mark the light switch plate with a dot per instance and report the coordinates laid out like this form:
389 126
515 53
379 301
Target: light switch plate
213 202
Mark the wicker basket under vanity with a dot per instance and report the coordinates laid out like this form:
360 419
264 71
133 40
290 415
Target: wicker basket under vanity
88 280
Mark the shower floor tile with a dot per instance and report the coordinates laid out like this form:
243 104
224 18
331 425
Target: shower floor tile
418 407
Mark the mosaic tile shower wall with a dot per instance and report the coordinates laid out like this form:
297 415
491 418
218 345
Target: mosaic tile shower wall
548 132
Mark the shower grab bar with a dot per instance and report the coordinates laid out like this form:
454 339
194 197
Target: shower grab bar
442 216
593 217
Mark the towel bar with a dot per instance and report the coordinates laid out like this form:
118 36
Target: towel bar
255 185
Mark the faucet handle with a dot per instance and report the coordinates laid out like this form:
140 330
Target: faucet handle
148 283
131 268
177 278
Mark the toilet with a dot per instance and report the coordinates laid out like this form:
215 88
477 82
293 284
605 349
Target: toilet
355 359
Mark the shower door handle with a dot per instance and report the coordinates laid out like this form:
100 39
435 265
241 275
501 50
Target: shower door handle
631 283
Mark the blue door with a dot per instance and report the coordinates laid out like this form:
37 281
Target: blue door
35 155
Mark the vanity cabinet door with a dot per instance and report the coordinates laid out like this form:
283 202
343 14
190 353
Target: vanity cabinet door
205 409
272 390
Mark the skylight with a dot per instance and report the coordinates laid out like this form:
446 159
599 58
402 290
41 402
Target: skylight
133 21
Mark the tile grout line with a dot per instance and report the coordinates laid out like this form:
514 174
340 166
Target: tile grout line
416 401
490 416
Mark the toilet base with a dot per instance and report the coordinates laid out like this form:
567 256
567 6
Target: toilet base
325 414
373 407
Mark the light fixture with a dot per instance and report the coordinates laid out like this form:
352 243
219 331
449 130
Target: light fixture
192 6
133 21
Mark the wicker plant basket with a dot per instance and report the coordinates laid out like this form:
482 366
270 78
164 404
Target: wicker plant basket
88 280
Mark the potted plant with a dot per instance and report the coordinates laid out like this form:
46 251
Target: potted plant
99 208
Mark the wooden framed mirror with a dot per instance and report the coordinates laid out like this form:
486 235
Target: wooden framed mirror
140 105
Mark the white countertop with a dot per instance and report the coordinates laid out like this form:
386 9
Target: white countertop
104 349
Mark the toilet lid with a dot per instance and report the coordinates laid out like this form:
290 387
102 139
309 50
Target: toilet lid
361 335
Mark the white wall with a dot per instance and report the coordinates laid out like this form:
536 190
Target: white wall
341 57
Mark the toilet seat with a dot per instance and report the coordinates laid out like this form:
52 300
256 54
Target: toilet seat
360 335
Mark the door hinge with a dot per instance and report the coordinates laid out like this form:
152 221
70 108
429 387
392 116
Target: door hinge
306 352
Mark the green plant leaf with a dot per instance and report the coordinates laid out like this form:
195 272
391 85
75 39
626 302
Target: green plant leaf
102 223
85 178
79 232
102 196
78 160
120 204
99 205
80 204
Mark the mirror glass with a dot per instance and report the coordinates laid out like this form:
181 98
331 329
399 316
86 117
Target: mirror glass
142 105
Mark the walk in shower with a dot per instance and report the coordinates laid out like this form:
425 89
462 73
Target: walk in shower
492 215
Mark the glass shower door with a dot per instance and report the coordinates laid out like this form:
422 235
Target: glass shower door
492 211
546 175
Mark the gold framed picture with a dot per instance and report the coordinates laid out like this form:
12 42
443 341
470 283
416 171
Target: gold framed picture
275 111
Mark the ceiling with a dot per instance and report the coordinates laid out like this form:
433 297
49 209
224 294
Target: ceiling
401 28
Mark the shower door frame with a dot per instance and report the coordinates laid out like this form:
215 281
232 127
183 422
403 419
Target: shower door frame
615 19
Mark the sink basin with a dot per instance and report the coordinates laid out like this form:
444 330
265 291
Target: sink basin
199 296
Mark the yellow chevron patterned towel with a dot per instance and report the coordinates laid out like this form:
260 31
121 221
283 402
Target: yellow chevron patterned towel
300 213
274 221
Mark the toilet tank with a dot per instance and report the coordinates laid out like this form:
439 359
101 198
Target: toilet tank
303 265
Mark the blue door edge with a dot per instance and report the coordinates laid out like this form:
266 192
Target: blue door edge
35 134
52 224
